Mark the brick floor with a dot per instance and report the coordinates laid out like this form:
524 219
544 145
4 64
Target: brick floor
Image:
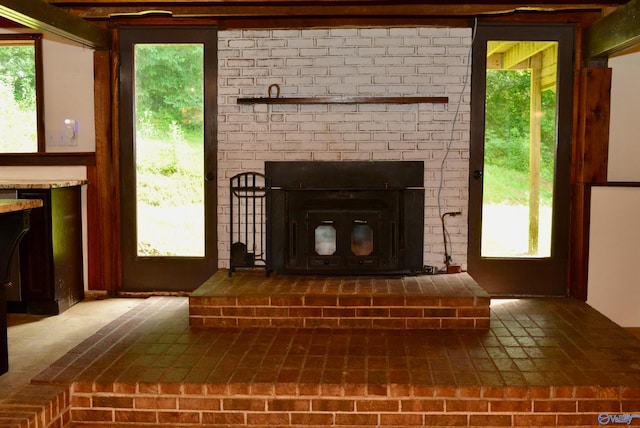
543 362
531 342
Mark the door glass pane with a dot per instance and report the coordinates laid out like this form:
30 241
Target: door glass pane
519 149
169 149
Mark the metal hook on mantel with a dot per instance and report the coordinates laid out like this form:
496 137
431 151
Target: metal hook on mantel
270 92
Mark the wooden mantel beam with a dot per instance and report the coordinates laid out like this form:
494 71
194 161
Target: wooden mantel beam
41 16
614 33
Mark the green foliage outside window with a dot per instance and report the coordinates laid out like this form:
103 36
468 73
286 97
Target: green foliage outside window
507 123
169 89
18 72
18 112
169 148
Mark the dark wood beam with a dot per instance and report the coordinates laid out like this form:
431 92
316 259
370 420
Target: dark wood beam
614 33
452 4
41 16
589 167
47 159
326 8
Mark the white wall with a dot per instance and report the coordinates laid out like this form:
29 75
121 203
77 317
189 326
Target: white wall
68 94
624 137
614 247
614 253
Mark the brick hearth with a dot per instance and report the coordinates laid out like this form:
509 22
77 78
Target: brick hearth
250 299
542 362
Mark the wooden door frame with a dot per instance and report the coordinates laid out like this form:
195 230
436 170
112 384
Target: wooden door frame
502 274
166 273
104 195
103 202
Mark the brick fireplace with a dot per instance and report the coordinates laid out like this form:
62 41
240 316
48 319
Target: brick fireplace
396 62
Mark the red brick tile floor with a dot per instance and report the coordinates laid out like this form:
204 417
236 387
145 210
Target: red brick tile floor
543 362
536 342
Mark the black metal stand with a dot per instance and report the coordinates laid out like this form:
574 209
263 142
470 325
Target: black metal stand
248 220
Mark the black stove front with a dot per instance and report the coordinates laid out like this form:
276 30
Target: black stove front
345 217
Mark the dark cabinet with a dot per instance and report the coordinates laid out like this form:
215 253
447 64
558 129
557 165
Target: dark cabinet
51 273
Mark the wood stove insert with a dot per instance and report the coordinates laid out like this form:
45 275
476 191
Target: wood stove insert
345 217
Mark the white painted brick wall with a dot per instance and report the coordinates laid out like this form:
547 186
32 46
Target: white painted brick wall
350 62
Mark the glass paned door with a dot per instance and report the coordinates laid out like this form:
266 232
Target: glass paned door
167 157
519 148
521 129
169 148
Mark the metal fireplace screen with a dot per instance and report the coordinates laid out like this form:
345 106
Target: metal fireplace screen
345 217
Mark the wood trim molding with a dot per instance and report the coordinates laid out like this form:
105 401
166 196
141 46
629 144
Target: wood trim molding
99 196
579 256
590 159
593 138
618 184
47 159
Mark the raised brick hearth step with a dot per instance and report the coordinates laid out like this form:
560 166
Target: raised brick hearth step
251 299
543 363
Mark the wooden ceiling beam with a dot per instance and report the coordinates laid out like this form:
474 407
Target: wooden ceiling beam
40 15
614 33
452 4
327 8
